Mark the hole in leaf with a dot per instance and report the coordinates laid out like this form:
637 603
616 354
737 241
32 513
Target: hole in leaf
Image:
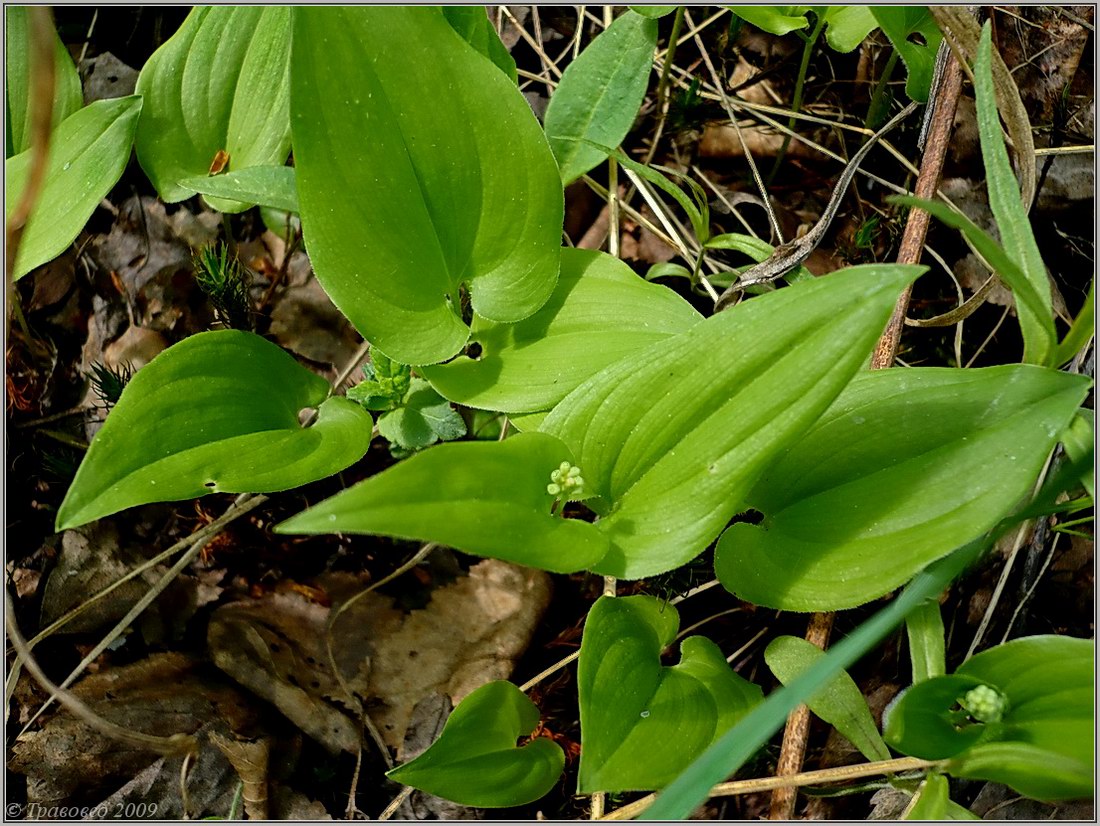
306 416
210 484
474 351
918 38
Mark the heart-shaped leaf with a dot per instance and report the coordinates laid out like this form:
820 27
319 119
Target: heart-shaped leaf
217 412
847 26
599 313
400 206
88 153
219 84
903 25
271 186
1020 714
672 438
485 498
67 96
475 761
600 93
474 26
906 466
840 703
641 723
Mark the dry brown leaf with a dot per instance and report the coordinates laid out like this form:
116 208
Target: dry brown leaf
249 759
470 633
306 322
162 695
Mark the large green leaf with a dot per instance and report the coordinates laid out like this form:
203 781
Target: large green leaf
88 153
217 412
840 703
1041 741
600 93
914 34
67 96
476 29
642 722
907 465
422 170
220 83
271 186
475 761
599 313
486 498
1011 215
846 27
672 438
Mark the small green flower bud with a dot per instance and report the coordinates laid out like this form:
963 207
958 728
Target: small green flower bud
553 489
985 704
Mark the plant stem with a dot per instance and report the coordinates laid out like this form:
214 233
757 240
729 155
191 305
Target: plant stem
662 84
799 87
876 111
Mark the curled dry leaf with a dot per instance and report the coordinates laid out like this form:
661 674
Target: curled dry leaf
162 695
249 759
470 633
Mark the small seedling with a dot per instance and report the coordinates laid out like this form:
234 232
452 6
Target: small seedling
222 277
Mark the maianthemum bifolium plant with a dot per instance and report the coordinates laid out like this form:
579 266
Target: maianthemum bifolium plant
431 202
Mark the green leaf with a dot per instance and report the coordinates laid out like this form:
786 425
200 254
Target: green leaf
654 12
1042 745
473 25
219 84
839 703
1039 336
1011 215
696 206
271 186
407 195
913 32
387 383
846 27
600 93
600 312
423 418
67 95
1083 328
1079 439
730 752
931 802
852 511
88 153
778 20
475 761
485 498
215 413
642 722
673 437
924 628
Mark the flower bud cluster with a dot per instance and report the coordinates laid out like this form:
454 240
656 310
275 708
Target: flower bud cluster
566 479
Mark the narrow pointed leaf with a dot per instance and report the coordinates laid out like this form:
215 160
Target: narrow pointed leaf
599 313
907 465
1083 328
673 438
217 412
67 95
840 703
925 631
600 94
1011 215
270 186
642 722
485 498
88 153
476 762
400 204
1041 744
473 24
219 84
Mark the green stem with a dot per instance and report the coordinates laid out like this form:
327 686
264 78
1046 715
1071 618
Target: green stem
662 84
799 86
876 112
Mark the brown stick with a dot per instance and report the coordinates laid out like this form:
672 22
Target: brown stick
42 69
916 228
796 734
